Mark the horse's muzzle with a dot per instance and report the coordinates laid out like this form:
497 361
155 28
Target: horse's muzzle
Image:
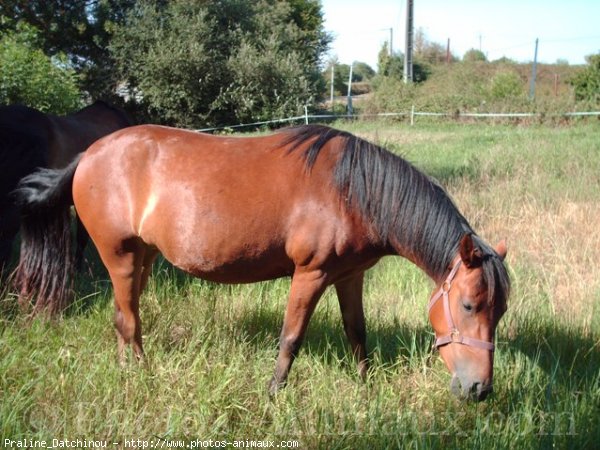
470 390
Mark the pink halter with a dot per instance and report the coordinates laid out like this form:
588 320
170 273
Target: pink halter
454 336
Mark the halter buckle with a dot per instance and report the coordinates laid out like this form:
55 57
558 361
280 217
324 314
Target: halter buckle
455 335
446 285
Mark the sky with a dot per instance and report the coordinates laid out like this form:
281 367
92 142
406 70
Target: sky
567 29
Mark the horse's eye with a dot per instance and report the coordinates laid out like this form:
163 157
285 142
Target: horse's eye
468 307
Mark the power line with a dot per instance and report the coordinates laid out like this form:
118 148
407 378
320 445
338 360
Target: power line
545 41
583 38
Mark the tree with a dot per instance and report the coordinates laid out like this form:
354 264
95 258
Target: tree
29 77
505 60
389 65
275 71
195 63
393 66
78 30
587 81
429 52
362 74
474 55
362 71
340 86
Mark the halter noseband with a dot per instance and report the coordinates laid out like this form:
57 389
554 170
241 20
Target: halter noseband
454 336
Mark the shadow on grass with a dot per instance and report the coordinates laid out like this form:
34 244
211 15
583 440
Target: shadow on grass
326 340
569 356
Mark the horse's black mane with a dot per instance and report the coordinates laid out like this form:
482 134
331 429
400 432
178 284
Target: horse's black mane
401 202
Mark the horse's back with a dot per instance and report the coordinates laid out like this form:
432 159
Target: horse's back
74 133
212 205
20 116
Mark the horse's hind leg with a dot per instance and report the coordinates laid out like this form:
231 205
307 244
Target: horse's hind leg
350 293
149 257
125 267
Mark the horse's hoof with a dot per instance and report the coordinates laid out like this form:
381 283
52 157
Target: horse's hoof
363 371
274 386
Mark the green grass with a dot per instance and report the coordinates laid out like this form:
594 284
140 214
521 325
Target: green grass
211 348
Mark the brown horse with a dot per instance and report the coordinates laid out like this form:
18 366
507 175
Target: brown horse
314 203
30 139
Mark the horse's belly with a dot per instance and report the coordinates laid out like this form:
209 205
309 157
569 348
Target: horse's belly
228 261
226 247
241 271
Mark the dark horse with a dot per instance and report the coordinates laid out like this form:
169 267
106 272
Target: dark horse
314 203
30 139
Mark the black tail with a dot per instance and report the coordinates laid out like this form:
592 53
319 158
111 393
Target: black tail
45 271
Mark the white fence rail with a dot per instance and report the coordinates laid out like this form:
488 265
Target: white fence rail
412 114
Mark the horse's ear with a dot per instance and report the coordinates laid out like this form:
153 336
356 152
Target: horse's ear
501 249
470 255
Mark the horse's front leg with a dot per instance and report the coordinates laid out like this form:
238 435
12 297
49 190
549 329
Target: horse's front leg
305 291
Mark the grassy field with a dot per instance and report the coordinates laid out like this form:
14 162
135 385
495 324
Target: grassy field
211 348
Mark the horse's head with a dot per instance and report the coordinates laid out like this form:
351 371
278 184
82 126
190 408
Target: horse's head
464 312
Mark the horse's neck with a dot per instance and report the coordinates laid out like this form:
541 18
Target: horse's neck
85 113
415 258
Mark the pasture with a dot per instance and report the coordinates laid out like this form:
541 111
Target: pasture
211 348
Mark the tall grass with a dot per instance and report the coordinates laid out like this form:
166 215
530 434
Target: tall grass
211 348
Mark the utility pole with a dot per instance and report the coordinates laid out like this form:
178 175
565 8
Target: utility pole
350 110
332 82
408 50
533 72
391 42
448 52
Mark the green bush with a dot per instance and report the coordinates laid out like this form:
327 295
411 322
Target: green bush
587 81
391 95
459 86
30 77
474 55
482 87
506 85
